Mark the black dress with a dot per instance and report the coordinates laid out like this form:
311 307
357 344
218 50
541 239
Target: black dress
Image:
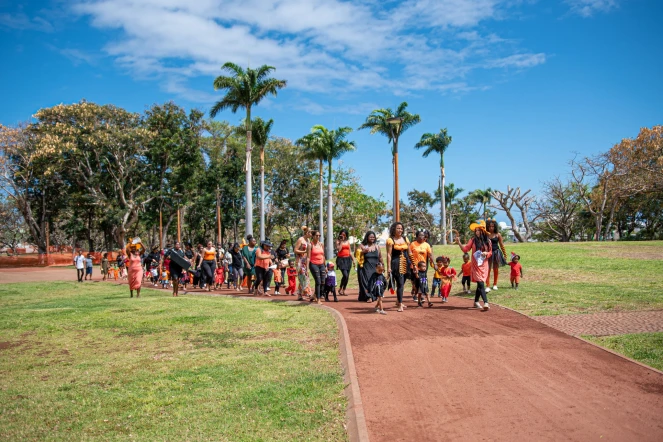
366 272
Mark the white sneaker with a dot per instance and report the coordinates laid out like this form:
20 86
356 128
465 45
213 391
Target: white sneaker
494 287
382 312
487 289
468 292
486 306
477 305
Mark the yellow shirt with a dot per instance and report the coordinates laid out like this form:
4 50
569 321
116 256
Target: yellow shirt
438 272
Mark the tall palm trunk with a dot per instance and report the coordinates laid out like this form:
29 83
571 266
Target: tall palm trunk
444 208
249 190
262 194
397 204
322 205
330 222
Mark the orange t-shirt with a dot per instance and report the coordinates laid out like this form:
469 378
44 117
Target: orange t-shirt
467 268
420 252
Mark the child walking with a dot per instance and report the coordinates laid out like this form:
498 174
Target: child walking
437 278
219 275
448 274
330 282
466 268
291 272
377 286
278 276
516 270
422 285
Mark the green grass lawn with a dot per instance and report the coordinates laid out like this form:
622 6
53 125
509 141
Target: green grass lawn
644 347
567 278
86 362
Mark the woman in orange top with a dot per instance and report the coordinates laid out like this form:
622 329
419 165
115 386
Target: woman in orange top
481 252
135 269
209 265
344 259
315 258
263 261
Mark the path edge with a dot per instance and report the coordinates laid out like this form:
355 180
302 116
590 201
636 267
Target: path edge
655 370
356 420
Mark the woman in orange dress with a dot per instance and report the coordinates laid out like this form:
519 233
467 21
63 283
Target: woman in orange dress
135 269
481 252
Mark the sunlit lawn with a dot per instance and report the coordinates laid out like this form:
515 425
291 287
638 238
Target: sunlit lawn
85 362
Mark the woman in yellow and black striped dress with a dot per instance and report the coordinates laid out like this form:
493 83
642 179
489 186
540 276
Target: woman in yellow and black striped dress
397 261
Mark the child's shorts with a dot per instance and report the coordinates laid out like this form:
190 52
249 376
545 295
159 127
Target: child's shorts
436 282
516 279
466 280
88 270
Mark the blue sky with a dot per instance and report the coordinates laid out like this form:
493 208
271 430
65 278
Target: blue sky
520 84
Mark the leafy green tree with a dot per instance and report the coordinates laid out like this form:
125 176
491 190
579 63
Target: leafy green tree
380 121
290 181
175 156
104 150
482 197
334 144
245 89
353 209
438 143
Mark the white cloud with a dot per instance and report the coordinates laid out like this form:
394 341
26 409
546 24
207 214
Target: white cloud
22 21
587 8
322 46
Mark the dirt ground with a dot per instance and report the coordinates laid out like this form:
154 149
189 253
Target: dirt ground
454 373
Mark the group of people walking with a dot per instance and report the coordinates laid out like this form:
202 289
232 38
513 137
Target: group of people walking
311 276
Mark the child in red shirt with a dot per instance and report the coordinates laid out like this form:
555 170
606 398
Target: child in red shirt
467 272
516 270
291 271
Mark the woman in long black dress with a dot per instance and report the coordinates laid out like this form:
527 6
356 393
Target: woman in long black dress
372 255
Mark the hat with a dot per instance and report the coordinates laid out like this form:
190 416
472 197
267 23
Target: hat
478 225
330 265
266 243
513 256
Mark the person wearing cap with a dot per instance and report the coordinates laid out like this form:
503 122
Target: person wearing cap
262 267
481 252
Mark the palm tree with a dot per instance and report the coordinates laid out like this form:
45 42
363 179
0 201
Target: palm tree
260 130
314 150
392 125
244 89
438 143
482 197
334 145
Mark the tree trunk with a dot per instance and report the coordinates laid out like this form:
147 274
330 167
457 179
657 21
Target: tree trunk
397 203
322 204
262 194
444 209
330 223
249 193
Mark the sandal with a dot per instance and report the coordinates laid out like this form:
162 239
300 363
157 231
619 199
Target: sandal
400 309
430 304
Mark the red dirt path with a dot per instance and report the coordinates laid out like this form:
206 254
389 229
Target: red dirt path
454 373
